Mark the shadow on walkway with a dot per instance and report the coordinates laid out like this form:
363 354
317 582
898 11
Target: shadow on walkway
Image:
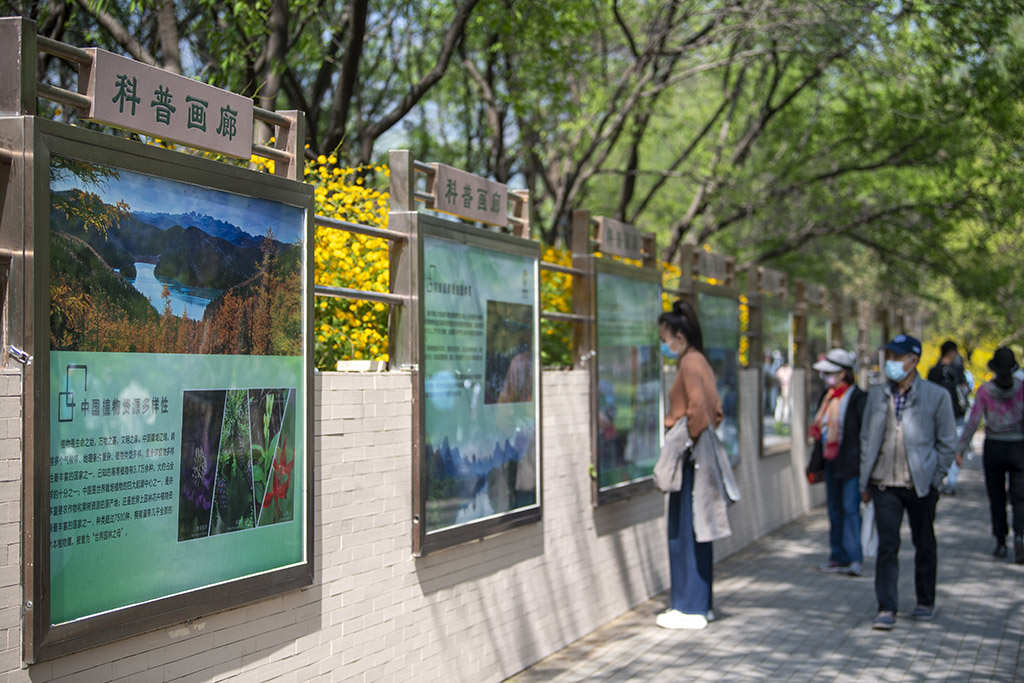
780 619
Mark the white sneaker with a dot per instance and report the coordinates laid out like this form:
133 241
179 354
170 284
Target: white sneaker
674 619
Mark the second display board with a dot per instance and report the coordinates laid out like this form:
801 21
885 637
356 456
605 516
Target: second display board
479 402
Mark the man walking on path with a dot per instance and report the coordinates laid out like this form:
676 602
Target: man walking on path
908 437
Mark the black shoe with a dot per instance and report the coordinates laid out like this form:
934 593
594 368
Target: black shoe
1000 550
1018 549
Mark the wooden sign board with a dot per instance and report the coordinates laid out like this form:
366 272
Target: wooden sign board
470 196
815 295
714 266
773 282
619 239
142 98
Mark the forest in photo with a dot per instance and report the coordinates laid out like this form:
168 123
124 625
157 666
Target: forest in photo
218 289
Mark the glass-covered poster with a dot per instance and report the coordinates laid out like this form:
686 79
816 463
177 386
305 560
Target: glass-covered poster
720 323
851 335
177 382
817 347
777 371
874 355
480 375
629 414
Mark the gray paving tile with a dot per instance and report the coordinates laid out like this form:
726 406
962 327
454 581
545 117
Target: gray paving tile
781 620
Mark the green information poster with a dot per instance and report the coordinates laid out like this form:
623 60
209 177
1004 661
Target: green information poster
481 382
851 335
777 371
629 415
817 346
720 322
176 388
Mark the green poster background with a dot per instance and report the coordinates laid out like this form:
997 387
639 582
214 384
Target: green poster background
480 382
777 371
141 558
851 335
720 322
628 378
116 480
817 346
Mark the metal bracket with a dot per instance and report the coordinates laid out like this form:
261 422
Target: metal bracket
19 355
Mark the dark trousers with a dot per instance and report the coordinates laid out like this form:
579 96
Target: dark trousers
1003 458
689 562
889 506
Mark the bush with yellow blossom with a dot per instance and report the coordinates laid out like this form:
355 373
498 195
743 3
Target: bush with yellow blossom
349 329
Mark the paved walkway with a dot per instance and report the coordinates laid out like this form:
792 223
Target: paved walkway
780 620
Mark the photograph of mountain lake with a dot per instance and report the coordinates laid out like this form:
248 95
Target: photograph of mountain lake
151 265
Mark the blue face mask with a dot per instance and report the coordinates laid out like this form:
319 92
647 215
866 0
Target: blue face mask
894 370
667 351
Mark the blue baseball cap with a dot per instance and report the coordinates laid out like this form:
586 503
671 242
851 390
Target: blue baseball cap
902 344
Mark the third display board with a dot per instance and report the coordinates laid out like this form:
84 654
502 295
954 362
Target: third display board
629 411
720 323
479 398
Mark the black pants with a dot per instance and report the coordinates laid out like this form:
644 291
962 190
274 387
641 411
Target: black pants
1002 458
889 506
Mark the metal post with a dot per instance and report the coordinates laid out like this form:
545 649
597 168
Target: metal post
18 76
403 323
522 212
293 141
755 318
584 342
802 356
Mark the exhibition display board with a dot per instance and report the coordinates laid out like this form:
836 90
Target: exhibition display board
627 379
477 466
719 316
818 337
177 428
777 369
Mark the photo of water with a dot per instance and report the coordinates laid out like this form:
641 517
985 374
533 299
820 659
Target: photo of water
191 300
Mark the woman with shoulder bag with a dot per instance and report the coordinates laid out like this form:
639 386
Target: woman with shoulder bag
692 396
836 430
1000 403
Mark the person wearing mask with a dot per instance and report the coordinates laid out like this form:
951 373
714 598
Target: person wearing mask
692 395
907 443
836 429
949 373
1000 403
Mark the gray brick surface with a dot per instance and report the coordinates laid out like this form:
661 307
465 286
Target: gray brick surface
780 620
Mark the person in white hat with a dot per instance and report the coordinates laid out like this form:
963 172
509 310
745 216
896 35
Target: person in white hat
836 435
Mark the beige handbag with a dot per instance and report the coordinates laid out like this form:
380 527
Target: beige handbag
668 472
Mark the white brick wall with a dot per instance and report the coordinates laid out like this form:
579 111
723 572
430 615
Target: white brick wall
477 612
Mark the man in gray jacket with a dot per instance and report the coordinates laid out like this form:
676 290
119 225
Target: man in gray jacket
907 442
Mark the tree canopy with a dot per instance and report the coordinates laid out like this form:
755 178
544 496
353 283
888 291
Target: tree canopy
871 146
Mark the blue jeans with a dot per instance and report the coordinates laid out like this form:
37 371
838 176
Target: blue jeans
843 497
689 562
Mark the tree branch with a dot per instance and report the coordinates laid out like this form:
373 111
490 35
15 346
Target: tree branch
118 32
415 93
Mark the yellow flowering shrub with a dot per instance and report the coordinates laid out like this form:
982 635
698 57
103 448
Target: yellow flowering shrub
556 295
744 331
349 329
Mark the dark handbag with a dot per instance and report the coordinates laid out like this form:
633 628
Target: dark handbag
816 467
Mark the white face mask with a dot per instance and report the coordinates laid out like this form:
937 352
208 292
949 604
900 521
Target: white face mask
831 380
894 370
